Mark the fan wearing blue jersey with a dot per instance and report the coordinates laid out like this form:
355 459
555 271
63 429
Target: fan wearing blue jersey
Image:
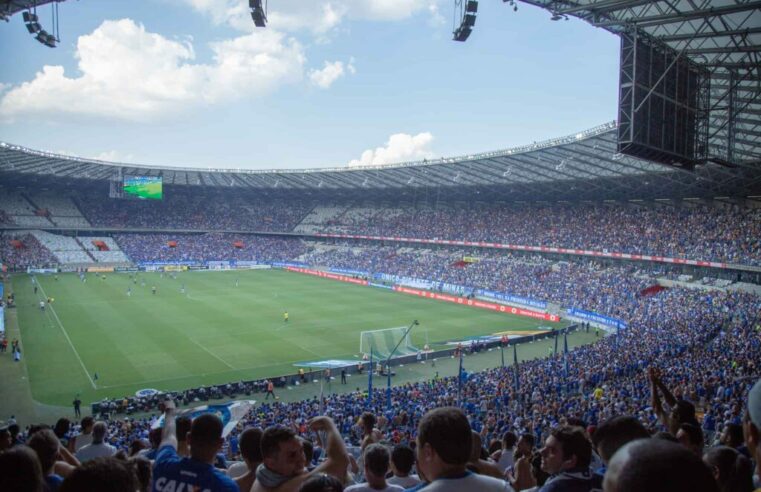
171 472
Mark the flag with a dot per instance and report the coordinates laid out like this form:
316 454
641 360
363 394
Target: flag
370 380
515 365
388 386
229 413
459 381
556 342
565 354
322 397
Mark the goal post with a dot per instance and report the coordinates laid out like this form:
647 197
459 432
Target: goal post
382 342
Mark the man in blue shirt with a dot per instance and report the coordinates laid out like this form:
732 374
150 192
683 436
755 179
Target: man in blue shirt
170 472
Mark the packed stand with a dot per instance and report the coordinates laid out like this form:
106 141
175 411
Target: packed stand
579 284
227 210
729 234
683 350
31 254
208 247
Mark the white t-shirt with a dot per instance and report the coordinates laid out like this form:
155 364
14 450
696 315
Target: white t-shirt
365 487
237 469
92 451
82 440
470 481
405 482
506 460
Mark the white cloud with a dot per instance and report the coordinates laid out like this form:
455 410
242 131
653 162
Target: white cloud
330 72
129 73
236 13
388 9
114 156
437 19
313 16
400 147
316 17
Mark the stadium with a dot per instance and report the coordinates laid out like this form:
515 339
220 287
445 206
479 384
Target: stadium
547 293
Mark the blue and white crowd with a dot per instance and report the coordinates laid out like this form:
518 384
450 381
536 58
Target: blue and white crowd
724 233
669 403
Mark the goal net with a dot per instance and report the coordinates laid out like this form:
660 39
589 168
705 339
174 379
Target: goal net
382 342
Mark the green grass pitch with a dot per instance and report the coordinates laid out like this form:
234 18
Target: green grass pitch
213 333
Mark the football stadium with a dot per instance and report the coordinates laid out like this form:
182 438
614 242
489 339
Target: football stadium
579 313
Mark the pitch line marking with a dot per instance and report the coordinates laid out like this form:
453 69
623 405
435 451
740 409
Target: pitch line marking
212 354
52 310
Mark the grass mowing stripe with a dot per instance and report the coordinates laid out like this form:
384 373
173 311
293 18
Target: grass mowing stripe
52 310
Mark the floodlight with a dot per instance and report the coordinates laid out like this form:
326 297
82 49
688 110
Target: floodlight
472 6
46 39
258 13
259 19
462 33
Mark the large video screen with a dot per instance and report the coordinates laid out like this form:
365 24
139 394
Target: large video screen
145 187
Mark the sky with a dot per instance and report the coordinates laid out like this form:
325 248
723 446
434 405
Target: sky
335 83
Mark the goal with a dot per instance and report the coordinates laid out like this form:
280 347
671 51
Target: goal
382 342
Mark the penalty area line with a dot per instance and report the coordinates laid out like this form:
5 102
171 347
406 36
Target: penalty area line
212 354
52 310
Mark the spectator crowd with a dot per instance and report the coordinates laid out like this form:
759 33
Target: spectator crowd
212 246
678 376
667 404
729 234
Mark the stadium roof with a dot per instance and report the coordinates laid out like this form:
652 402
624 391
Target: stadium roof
724 36
583 166
11 7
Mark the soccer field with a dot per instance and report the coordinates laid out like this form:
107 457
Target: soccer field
214 332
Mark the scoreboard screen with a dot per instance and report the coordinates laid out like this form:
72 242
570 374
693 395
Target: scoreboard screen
143 187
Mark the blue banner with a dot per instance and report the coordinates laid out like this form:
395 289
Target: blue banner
169 263
2 291
229 413
2 320
380 286
286 264
327 364
346 271
503 296
596 318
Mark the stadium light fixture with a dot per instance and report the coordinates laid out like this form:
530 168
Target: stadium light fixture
45 38
32 23
258 12
468 11
556 16
512 4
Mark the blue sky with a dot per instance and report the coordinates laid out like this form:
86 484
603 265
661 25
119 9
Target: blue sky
193 83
